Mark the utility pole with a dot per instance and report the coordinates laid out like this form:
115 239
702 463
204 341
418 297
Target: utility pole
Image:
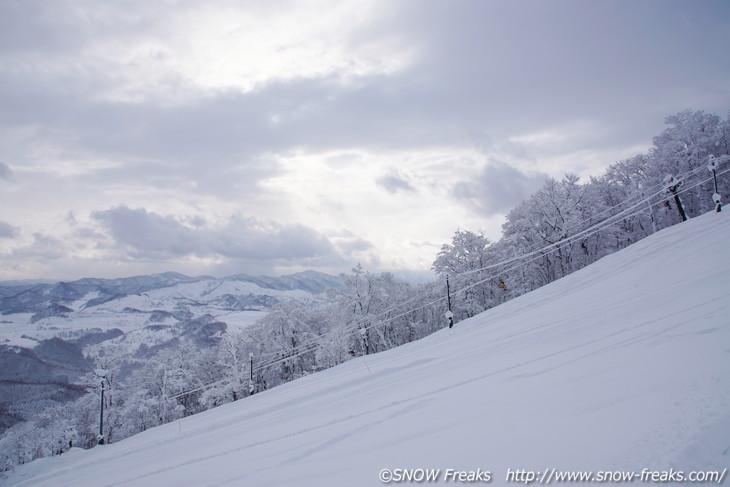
449 315
673 187
716 198
651 215
251 387
101 413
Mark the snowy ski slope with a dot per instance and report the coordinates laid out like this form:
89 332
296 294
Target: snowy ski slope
622 366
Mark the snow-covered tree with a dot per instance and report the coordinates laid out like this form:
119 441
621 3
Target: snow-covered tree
684 148
465 259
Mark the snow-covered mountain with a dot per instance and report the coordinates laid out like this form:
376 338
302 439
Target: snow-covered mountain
622 368
45 327
70 310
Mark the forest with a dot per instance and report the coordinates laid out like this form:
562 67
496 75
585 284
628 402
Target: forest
564 226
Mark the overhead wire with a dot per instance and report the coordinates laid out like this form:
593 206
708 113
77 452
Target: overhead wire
376 321
621 214
365 323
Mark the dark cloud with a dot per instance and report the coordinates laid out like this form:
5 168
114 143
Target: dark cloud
520 67
352 244
5 171
497 189
149 235
393 183
37 26
8 231
26 27
44 248
164 147
249 238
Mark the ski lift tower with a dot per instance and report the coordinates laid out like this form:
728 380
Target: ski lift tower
716 198
101 373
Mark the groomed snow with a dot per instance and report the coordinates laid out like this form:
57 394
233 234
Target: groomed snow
624 365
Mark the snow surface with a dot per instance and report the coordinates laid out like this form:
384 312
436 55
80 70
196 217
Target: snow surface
623 365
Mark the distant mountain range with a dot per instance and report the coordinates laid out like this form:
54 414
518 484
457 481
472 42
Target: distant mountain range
18 297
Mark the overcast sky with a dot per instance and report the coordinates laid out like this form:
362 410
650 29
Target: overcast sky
269 137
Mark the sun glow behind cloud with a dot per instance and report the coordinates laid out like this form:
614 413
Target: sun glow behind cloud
400 212
242 46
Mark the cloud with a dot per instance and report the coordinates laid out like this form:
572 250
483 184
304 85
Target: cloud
497 189
291 111
436 99
148 234
5 171
249 238
8 231
44 248
351 245
171 53
143 234
393 183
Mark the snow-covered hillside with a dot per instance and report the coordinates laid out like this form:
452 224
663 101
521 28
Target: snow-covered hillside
622 366
131 305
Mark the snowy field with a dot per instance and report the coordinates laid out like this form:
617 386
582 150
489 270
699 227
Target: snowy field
622 366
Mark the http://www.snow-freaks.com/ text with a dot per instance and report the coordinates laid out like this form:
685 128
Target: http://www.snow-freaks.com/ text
548 476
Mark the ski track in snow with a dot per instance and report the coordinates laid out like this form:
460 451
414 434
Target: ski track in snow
621 365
